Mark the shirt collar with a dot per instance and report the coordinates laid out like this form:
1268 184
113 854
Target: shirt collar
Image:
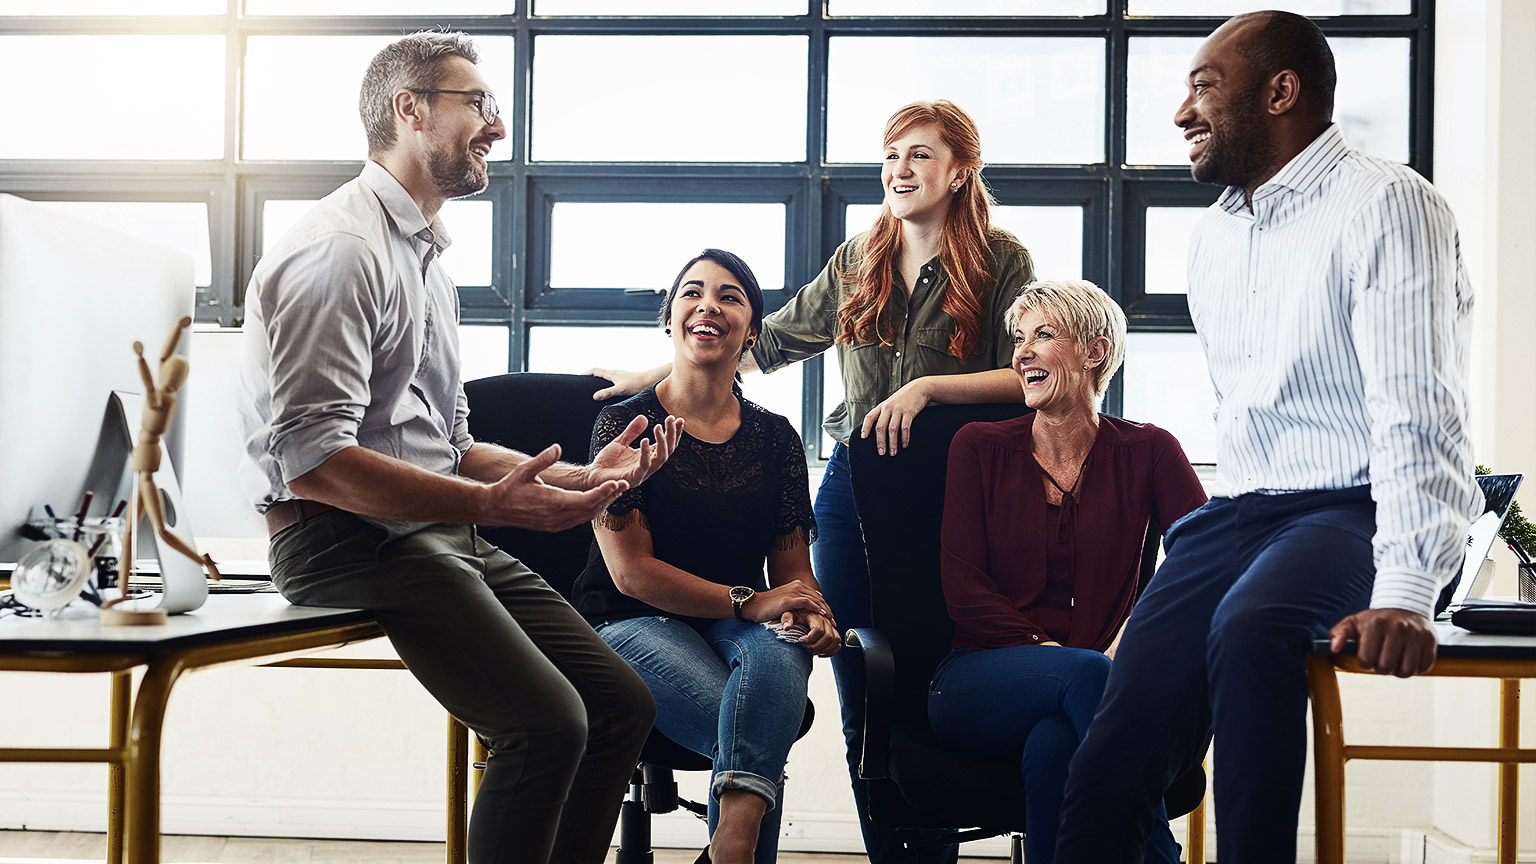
402 208
1303 174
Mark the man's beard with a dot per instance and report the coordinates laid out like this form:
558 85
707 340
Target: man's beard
1238 151
456 174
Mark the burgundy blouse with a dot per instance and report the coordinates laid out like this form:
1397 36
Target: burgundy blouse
1001 558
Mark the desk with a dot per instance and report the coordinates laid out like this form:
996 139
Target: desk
1461 654
230 629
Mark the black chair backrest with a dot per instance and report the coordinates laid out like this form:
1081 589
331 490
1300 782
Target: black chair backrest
528 411
901 508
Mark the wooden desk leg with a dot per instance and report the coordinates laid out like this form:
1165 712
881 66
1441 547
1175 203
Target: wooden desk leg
458 792
1509 777
1195 835
1328 759
143 760
122 686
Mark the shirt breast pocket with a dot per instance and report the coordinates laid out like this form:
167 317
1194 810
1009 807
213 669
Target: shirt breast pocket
866 369
932 353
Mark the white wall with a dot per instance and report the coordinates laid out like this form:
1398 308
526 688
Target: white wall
1485 122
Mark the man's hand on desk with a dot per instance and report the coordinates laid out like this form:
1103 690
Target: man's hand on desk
1389 641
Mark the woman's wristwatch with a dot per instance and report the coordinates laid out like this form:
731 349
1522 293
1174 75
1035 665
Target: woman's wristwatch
739 596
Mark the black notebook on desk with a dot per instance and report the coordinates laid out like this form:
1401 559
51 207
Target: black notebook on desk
1503 617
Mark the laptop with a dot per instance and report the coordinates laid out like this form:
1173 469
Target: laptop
1462 601
1472 582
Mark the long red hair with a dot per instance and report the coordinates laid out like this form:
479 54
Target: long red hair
963 251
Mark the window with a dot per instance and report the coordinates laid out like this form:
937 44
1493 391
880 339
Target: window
635 140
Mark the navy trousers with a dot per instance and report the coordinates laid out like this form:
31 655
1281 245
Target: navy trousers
1218 643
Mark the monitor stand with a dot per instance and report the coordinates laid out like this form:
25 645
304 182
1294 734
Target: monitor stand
185 586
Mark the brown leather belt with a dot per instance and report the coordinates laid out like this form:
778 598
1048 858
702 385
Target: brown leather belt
285 514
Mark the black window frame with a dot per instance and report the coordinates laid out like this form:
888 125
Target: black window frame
1114 195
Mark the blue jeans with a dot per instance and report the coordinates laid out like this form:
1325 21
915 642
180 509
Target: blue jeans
732 691
838 559
1219 643
1029 704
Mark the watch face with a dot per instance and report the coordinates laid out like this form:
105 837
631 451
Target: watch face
740 594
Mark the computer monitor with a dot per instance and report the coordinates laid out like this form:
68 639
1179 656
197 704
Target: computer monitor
74 296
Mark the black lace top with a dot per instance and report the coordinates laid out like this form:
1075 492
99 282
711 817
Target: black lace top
713 510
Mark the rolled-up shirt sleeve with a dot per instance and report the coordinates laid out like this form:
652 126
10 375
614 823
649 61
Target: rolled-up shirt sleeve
807 324
1015 270
321 318
1412 301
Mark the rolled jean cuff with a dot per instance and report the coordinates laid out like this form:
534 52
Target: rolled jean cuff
757 784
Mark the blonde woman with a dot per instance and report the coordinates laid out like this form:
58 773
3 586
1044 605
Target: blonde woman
1044 522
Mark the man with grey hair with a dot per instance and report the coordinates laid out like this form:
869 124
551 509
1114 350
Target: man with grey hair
358 452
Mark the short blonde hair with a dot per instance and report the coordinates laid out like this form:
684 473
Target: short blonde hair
1083 309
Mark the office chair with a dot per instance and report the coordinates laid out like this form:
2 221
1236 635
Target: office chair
913 782
528 411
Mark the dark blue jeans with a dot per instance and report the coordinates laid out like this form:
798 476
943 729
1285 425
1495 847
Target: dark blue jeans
841 568
1219 643
1029 705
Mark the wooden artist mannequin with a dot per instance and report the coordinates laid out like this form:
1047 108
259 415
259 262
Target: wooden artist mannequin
159 406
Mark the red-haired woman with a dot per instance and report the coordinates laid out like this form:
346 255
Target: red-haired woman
915 307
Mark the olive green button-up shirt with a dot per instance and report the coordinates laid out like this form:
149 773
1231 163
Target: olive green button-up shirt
807 326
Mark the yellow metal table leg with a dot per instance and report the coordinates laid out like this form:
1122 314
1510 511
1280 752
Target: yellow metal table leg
143 760
458 792
1328 759
1195 835
1509 777
121 701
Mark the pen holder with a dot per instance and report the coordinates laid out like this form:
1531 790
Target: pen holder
79 560
1525 583
102 537
82 560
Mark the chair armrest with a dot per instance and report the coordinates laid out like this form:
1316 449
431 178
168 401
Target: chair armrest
879 689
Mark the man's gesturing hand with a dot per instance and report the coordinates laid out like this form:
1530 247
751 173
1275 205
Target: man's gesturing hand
619 461
523 500
1390 641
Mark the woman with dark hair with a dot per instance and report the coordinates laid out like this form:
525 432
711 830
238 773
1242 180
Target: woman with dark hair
675 583
914 307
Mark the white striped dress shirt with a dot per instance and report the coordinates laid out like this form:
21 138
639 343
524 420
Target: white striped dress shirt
1335 317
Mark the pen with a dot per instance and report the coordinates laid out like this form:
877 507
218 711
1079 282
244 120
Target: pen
57 522
85 504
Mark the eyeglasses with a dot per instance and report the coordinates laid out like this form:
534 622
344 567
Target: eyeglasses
489 110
